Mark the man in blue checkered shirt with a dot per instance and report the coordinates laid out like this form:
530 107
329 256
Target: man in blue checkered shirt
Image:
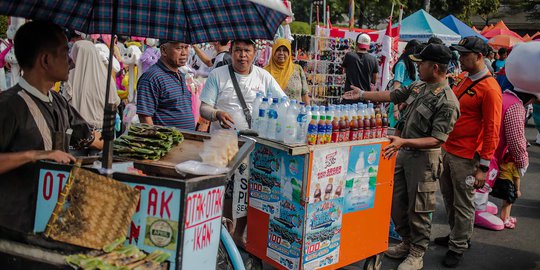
162 94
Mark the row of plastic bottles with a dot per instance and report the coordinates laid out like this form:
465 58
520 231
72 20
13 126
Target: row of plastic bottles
294 123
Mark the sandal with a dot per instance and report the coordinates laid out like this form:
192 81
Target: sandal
509 223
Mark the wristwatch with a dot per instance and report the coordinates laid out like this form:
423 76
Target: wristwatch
484 168
362 94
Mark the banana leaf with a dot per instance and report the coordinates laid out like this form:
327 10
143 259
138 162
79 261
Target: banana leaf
153 142
139 156
146 130
137 150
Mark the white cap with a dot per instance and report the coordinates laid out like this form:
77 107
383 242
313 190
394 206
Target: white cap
363 41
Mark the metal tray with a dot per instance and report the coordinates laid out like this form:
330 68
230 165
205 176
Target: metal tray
189 150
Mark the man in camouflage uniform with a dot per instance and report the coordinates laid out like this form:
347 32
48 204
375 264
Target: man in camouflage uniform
432 110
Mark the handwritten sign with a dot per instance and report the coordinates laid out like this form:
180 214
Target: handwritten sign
202 227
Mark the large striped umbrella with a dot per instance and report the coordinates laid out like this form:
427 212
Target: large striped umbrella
188 21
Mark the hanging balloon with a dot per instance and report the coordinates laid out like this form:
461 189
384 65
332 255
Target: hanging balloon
522 67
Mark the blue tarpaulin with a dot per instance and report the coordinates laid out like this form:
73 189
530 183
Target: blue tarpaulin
421 26
460 27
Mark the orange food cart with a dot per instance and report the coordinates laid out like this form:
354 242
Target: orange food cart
321 206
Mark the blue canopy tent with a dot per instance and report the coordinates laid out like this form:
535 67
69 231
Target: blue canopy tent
460 27
422 26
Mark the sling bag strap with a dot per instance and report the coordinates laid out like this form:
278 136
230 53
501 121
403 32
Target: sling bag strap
472 85
245 108
39 119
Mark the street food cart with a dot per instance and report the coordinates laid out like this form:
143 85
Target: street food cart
321 206
177 214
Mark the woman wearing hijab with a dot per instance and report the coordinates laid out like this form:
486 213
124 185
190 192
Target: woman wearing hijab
289 76
85 88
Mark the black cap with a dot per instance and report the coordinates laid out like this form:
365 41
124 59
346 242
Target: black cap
437 53
247 41
164 41
471 44
435 40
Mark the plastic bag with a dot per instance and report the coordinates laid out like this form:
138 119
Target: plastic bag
199 168
220 149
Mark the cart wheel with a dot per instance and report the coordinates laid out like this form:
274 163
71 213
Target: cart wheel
253 263
223 259
373 263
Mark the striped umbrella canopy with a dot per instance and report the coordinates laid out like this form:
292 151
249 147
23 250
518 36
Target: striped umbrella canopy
504 41
188 21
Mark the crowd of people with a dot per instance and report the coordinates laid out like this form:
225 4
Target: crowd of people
454 135
447 134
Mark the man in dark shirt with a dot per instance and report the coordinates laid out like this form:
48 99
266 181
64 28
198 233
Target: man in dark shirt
35 122
360 67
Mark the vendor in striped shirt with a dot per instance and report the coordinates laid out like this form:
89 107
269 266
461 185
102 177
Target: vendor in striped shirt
162 94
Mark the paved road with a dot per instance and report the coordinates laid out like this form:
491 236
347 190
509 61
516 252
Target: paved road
517 249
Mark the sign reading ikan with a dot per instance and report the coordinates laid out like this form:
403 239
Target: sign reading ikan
202 228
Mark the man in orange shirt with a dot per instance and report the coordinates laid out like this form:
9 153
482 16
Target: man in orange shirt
470 146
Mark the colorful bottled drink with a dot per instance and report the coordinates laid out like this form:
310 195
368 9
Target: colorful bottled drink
384 125
335 130
321 130
342 128
328 133
367 127
360 135
312 131
373 127
346 134
378 125
353 129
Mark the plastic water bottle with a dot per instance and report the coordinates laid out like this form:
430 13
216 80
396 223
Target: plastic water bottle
301 125
285 102
308 113
347 111
370 109
262 118
353 112
279 121
272 120
363 111
255 111
291 128
315 111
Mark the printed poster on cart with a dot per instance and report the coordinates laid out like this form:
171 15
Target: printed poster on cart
323 233
329 167
265 179
361 178
285 235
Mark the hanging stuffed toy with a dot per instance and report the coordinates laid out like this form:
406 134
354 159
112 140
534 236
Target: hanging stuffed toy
150 56
104 57
10 59
5 47
131 59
